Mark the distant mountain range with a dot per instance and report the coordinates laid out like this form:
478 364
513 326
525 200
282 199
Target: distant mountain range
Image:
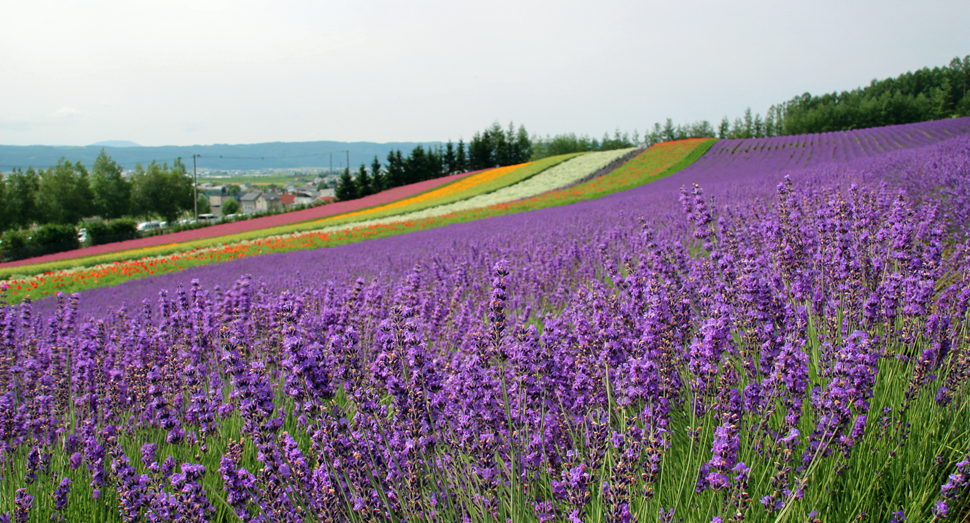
221 157
115 143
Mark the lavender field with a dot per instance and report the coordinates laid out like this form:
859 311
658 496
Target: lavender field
777 333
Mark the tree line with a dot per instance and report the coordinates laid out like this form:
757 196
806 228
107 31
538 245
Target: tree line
493 147
917 96
68 192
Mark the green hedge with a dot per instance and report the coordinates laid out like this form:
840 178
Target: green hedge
48 239
110 232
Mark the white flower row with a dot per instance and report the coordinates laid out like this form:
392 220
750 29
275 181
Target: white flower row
560 175
553 178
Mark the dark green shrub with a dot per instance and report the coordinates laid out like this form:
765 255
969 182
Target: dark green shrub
54 234
51 238
124 229
97 231
13 245
114 231
48 239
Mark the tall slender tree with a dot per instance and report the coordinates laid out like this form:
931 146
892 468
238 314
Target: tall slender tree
346 188
724 128
395 169
364 182
523 146
415 167
481 151
449 159
377 174
461 160
668 132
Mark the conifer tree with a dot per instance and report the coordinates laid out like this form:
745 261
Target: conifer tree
395 169
364 182
748 130
450 162
461 161
378 179
346 188
415 166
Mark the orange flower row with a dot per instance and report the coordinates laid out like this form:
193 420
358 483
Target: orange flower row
452 188
652 162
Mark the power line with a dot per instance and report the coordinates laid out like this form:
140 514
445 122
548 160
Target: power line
224 157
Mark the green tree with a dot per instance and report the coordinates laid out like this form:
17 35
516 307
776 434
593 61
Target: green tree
449 159
379 179
500 144
5 217
21 200
364 182
163 191
395 169
668 133
64 193
521 146
112 192
416 166
461 160
346 188
481 152
204 206
435 163
230 206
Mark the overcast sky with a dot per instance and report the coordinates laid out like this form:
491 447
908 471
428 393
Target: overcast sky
183 72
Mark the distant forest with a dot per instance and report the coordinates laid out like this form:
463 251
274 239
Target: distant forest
923 95
926 94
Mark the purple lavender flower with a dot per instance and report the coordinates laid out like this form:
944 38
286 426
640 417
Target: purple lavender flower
61 493
23 502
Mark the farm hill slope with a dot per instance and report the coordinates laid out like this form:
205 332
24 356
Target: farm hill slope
660 196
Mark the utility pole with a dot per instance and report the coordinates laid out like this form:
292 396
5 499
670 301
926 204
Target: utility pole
195 185
348 159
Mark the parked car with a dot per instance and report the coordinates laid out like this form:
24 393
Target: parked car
208 218
150 225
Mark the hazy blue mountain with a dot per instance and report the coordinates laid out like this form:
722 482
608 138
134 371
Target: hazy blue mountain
245 157
115 143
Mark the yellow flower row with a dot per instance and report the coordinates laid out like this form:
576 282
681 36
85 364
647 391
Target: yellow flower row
447 190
